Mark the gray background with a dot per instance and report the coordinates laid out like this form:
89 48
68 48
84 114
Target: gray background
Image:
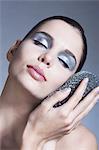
17 18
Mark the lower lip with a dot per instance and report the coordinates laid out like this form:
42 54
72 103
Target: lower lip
35 75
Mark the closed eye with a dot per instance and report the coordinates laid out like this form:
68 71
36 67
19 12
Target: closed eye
63 63
36 42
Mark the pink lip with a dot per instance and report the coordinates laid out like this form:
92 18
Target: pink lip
38 70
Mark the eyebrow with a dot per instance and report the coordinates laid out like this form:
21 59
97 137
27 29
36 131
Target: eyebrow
46 34
52 39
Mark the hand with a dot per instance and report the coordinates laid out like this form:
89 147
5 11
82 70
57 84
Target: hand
46 122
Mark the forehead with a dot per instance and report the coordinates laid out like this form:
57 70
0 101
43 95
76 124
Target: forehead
65 36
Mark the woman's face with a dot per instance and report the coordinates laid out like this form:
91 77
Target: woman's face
55 48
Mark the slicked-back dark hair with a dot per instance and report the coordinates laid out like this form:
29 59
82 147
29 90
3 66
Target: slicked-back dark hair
73 23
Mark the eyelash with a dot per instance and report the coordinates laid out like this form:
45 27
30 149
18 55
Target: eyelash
63 63
39 43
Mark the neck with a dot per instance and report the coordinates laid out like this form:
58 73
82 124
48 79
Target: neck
16 103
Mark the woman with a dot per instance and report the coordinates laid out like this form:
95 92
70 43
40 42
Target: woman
49 54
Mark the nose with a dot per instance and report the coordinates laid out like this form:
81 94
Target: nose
46 58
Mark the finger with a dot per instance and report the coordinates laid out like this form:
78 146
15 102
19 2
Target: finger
74 100
56 97
86 111
73 127
85 103
76 125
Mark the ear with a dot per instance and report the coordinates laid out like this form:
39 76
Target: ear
12 50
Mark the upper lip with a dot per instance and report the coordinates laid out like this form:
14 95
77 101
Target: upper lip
38 70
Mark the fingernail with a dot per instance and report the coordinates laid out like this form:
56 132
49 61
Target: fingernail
67 89
97 88
97 100
86 80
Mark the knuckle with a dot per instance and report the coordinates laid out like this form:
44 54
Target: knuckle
68 128
68 121
68 131
80 91
79 94
76 97
62 114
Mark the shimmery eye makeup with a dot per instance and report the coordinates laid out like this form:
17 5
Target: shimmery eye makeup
67 59
43 38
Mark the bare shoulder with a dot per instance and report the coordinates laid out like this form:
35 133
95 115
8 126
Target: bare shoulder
80 139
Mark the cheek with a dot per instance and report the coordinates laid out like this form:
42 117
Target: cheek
23 56
58 77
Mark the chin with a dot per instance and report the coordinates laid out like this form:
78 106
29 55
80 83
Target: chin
37 89
31 86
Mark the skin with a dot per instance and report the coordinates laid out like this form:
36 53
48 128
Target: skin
22 94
